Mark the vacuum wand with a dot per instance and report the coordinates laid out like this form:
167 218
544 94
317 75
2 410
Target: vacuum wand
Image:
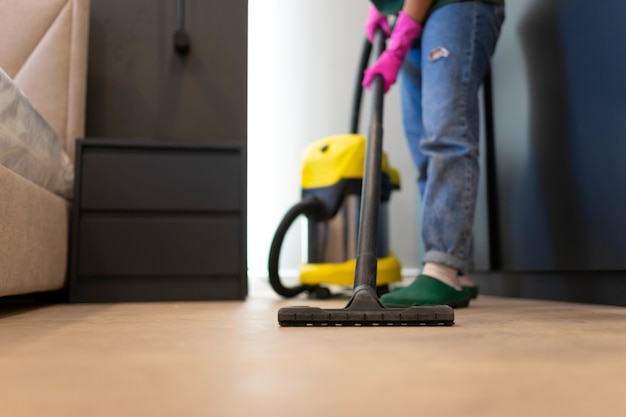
367 258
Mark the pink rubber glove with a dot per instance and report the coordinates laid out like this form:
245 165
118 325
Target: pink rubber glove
390 61
374 21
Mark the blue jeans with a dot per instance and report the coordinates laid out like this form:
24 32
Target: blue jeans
439 85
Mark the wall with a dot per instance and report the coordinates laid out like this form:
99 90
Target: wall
139 87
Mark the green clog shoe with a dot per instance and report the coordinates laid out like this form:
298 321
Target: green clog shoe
471 289
426 290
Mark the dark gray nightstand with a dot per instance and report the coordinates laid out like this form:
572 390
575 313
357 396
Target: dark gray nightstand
158 220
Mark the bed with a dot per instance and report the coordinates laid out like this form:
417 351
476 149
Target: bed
43 57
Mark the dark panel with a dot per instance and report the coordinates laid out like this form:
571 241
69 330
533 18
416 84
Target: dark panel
143 179
159 246
179 288
139 87
560 188
596 104
539 202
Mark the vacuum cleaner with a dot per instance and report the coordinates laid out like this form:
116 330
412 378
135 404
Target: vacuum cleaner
331 197
332 181
364 307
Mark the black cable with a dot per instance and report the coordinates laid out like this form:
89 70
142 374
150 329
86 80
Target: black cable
181 38
181 14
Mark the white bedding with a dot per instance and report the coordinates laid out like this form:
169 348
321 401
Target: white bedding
28 145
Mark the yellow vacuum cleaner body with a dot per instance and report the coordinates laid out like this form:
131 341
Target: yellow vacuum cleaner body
332 178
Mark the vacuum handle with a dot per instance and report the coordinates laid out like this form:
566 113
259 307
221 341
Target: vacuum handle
367 255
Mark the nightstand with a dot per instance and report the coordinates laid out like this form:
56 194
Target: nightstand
157 220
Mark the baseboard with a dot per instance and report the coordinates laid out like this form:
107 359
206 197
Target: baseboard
594 287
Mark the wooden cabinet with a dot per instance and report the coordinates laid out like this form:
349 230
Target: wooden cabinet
158 221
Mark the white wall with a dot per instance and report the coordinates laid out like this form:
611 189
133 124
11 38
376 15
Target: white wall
303 58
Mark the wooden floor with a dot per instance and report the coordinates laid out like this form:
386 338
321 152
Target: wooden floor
503 357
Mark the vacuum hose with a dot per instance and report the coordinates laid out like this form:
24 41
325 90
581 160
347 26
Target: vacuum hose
309 206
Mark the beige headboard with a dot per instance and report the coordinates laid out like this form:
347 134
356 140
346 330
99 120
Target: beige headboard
43 48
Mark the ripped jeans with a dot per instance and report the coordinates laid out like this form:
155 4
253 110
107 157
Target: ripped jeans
439 85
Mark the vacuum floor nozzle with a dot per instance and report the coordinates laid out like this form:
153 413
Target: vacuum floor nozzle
364 309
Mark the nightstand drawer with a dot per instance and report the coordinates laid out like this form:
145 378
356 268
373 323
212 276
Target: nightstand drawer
155 179
159 246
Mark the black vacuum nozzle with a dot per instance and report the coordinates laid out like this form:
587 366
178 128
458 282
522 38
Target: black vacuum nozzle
364 309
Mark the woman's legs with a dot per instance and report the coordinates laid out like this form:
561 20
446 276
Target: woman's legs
457 45
456 48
